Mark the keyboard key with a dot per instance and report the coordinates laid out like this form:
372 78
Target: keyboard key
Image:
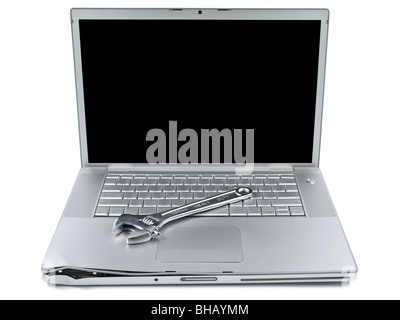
156 188
136 203
269 195
287 176
137 182
257 182
224 188
217 182
143 176
282 211
102 211
128 188
190 182
169 177
182 188
169 188
278 188
270 182
196 188
144 211
142 188
176 182
111 181
268 211
243 182
180 176
296 211
260 176
253 211
237 211
124 182
203 182
131 210
291 188
171 195
144 195
177 202
111 195
164 182
186 195
288 195
256 195
130 195
263 203
158 195
113 203
229 182
150 182
210 188
116 211
264 189
111 188
286 182
286 202
199 195
164 203
150 203
250 203
127 176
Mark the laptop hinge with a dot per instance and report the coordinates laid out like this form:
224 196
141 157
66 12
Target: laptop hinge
306 169
209 168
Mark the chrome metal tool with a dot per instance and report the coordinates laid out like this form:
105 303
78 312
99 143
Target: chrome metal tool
143 229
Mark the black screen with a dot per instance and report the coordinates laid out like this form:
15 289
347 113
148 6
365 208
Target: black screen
204 74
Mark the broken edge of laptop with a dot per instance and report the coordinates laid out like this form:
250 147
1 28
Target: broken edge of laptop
143 72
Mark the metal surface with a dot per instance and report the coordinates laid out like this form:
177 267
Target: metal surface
146 228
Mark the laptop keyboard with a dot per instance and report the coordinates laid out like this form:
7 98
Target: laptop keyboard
273 194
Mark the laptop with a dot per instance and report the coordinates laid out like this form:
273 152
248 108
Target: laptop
177 105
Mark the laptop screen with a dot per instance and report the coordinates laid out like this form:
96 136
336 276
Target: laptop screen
172 90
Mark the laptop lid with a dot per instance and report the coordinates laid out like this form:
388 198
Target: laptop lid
152 84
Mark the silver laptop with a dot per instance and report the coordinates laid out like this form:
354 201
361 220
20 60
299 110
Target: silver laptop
176 105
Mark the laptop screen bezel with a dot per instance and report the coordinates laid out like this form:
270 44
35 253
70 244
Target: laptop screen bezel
199 14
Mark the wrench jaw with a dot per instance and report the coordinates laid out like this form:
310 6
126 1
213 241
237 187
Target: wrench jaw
139 232
139 236
125 222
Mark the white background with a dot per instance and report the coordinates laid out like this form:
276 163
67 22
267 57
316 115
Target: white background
39 146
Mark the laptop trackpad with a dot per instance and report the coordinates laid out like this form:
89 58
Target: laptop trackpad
200 245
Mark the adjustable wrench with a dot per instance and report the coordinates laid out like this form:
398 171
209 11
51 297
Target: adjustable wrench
146 228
